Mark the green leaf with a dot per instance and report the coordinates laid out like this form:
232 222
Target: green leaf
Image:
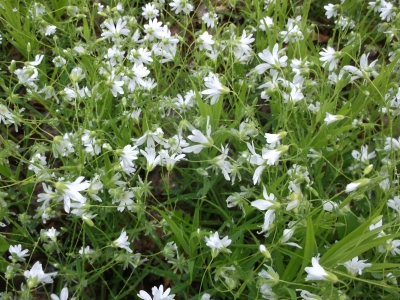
309 245
4 246
178 232
355 239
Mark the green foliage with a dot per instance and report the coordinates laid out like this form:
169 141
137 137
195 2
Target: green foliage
88 124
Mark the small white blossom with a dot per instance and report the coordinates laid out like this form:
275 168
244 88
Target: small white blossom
36 275
215 88
17 253
355 266
272 60
50 30
63 295
395 203
316 272
122 242
330 57
181 5
158 294
217 245
332 118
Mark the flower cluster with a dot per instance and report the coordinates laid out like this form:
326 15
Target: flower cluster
175 142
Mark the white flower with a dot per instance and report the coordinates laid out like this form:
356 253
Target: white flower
115 84
306 295
217 245
271 276
392 144
205 296
392 246
364 156
17 253
264 251
125 199
6 116
135 76
330 57
206 41
376 225
198 137
37 61
27 76
86 251
273 60
287 235
269 201
221 163
269 219
295 196
169 160
152 159
127 155
365 71
215 88
70 191
354 266
149 11
140 56
256 159
316 272
265 23
293 32
62 145
181 5
122 242
242 49
209 18
332 118
357 184
183 104
52 233
158 294
50 30
344 22
330 206
352 187
63 295
274 139
395 203
387 11
115 31
153 30
331 10
36 275
272 156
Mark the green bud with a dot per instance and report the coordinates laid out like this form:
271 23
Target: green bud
88 221
265 252
61 186
32 282
368 169
331 277
224 90
12 66
283 148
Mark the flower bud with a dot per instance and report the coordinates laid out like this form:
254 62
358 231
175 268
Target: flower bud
368 169
331 277
12 66
265 252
